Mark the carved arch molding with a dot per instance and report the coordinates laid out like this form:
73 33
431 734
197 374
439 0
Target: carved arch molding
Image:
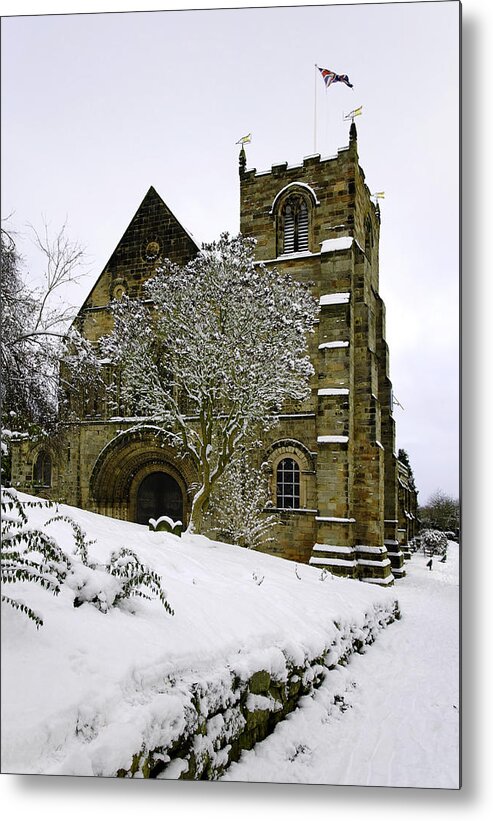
125 462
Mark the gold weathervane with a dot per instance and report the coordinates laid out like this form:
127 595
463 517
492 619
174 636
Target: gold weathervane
244 140
356 112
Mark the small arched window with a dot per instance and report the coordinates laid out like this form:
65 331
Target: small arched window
42 470
295 225
288 484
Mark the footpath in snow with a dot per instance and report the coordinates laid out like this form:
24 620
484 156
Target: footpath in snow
397 724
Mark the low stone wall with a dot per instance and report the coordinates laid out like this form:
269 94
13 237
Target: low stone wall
234 708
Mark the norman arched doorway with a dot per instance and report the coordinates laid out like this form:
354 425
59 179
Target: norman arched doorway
159 495
126 462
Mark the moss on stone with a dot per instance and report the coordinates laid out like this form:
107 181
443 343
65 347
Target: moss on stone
259 683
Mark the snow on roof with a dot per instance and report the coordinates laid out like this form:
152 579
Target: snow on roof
338 344
334 299
330 439
333 391
296 254
379 444
284 257
336 244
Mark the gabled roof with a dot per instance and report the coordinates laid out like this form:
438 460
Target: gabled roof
153 234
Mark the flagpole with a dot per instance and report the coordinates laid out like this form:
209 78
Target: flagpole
327 120
315 113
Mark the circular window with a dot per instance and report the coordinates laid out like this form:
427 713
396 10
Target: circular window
119 288
152 250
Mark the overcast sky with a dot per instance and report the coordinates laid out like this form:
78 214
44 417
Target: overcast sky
98 107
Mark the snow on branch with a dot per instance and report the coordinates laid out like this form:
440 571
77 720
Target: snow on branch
221 339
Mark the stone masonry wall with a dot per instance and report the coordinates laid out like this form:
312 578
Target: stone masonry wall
235 708
355 470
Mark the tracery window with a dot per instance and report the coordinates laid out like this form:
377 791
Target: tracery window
42 469
288 484
296 224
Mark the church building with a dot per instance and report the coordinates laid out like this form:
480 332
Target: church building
343 500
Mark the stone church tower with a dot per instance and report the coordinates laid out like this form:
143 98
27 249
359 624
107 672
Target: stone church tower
318 222
332 463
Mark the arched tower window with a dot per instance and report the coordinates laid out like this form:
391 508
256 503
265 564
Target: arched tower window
42 469
295 224
288 484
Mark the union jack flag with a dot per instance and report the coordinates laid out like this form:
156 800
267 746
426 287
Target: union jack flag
330 77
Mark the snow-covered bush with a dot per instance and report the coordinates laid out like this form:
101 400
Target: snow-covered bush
135 578
236 512
433 541
31 555
28 555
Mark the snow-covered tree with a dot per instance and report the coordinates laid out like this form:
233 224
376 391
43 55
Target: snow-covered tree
432 541
34 336
237 510
212 352
442 512
25 354
403 457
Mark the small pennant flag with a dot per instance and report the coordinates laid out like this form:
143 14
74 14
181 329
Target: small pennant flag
330 77
353 114
244 140
379 195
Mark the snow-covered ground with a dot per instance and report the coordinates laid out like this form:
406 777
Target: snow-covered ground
81 693
88 689
399 723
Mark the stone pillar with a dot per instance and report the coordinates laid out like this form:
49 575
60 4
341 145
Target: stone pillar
369 465
387 440
334 546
